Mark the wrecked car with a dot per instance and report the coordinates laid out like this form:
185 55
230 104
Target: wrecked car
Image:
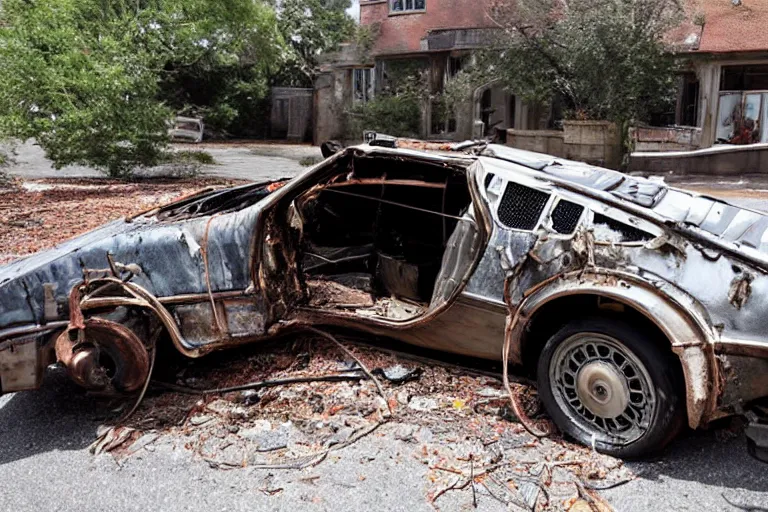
638 307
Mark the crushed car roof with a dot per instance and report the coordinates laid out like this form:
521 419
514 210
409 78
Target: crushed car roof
714 221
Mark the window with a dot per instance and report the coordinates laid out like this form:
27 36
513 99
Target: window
407 5
455 64
521 207
688 100
742 117
362 85
744 78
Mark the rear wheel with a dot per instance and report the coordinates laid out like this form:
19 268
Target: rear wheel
609 385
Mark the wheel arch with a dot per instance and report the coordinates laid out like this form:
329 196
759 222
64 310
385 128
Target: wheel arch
674 314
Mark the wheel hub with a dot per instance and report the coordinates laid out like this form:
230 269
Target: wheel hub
602 389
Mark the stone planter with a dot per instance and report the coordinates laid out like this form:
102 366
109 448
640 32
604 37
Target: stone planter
594 142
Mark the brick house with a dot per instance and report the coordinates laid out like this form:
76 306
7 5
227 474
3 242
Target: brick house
724 88
438 36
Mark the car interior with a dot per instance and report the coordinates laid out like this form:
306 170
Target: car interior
386 238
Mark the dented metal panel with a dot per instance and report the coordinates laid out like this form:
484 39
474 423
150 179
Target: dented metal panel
20 366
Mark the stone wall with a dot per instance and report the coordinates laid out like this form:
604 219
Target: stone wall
332 95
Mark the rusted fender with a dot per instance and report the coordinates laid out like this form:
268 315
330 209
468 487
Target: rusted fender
683 321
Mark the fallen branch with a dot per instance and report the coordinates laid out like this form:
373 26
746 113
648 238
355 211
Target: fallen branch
611 485
748 508
451 487
472 480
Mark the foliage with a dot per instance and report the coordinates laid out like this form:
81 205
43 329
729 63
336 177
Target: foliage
396 109
5 179
390 114
310 28
365 37
201 157
606 59
227 84
86 77
309 161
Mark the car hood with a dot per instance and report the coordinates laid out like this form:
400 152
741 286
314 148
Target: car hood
165 242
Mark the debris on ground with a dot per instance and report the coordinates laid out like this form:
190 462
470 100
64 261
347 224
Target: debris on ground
457 424
36 215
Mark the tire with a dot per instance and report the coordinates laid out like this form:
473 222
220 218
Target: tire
595 367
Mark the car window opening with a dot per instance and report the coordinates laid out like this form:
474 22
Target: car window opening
387 240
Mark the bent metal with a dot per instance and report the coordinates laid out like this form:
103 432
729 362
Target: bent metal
638 307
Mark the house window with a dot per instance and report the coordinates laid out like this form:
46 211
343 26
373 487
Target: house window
407 5
455 64
742 117
362 85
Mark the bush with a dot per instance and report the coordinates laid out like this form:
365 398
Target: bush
200 157
399 116
97 83
309 161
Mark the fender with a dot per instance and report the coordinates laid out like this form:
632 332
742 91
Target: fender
678 315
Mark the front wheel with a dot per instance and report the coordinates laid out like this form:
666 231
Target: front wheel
608 385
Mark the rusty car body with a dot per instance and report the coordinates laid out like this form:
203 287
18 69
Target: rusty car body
638 306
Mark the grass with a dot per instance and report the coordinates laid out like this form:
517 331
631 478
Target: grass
308 161
200 157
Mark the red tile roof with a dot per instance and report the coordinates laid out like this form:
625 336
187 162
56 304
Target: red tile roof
734 28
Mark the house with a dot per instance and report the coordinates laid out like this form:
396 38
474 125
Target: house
724 86
435 36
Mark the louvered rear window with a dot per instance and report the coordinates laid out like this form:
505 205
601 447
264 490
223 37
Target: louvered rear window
521 207
565 217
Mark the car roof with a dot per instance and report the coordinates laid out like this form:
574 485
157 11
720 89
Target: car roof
736 228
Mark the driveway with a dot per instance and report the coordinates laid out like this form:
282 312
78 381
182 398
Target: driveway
248 161
47 466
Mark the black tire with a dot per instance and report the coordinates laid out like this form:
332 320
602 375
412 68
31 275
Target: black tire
666 418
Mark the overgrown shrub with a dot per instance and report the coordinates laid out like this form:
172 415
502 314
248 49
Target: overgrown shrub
395 115
397 108
201 157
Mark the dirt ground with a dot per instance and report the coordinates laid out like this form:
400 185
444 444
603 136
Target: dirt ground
38 214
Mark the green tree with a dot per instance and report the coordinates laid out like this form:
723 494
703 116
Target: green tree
606 59
310 28
84 77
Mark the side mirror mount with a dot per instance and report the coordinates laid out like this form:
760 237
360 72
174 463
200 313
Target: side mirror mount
330 148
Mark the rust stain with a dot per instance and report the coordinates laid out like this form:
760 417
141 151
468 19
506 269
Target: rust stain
83 357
